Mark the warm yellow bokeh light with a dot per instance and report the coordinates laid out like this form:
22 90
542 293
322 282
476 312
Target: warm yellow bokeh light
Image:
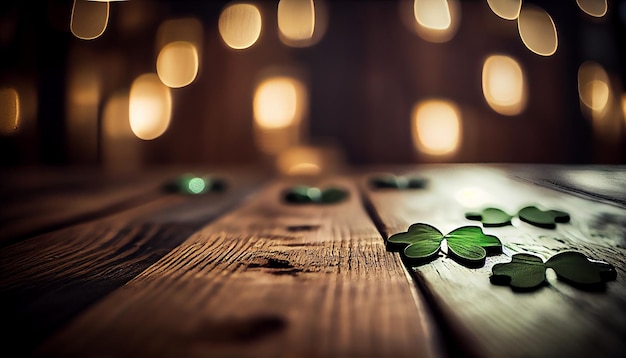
277 102
9 111
598 95
296 19
506 9
89 19
300 160
302 23
432 14
433 20
436 127
537 30
115 117
150 107
504 86
593 87
240 25
177 64
595 8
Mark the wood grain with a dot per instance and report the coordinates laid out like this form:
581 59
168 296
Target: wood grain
557 320
268 279
36 200
49 279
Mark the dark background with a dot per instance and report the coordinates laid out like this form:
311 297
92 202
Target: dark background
364 77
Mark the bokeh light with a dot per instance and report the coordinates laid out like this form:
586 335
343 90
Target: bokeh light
537 30
296 19
89 19
115 117
177 64
436 127
434 20
504 85
593 87
506 9
300 160
280 105
150 107
277 102
595 8
240 25
9 111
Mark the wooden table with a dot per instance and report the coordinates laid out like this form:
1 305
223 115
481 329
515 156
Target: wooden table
95 265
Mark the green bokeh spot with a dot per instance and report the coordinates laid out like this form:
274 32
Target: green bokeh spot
191 184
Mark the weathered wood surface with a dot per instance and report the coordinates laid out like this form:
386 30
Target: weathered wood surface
49 279
606 183
268 279
493 321
36 200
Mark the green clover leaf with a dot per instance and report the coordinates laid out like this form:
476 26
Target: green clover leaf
391 181
467 245
490 217
303 194
527 272
546 219
470 246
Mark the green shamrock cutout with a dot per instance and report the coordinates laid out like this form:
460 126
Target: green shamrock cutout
391 181
191 184
303 194
545 219
467 245
527 272
490 217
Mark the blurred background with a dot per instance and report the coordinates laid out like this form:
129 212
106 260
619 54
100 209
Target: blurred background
308 86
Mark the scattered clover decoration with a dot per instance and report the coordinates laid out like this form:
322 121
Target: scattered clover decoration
490 217
191 184
494 217
527 272
303 194
391 181
546 219
467 245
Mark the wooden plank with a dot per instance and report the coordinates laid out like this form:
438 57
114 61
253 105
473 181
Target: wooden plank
49 279
605 183
494 321
268 279
39 200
